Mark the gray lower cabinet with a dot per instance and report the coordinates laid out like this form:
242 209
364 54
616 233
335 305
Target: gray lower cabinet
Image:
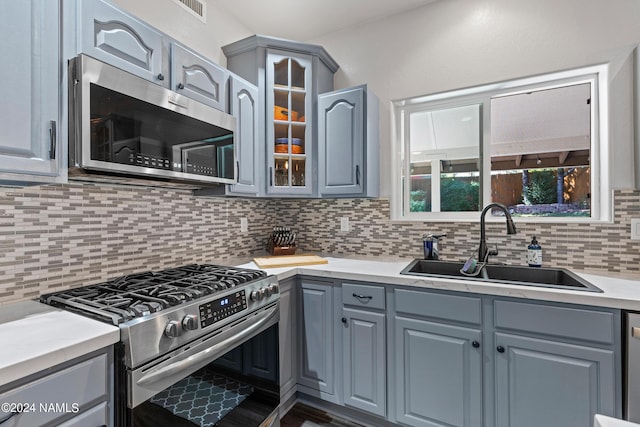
555 365
364 360
472 361
438 359
30 150
317 367
287 341
547 383
76 394
438 374
348 144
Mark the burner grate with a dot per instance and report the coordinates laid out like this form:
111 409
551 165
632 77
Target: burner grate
127 297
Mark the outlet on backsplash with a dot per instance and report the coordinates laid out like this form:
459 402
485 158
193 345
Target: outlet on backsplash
244 225
344 224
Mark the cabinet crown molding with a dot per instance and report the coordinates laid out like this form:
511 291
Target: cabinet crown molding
258 40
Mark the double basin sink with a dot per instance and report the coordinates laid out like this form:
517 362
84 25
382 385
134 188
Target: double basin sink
557 278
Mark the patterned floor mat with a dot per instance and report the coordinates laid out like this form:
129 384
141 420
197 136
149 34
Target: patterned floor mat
202 398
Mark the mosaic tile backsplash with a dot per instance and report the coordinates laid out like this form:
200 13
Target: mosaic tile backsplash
55 237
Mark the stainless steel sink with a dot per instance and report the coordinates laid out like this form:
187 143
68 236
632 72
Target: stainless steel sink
558 278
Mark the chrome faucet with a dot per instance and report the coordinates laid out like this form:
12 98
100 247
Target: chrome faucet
483 250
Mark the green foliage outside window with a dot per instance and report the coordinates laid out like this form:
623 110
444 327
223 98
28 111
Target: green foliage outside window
459 195
542 188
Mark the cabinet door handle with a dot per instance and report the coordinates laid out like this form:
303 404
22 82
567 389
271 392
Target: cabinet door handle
52 139
160 77
357 174
500 349
270 176
180 86
344 320
363 297
475 344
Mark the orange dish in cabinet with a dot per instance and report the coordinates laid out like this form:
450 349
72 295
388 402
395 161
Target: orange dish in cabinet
281 113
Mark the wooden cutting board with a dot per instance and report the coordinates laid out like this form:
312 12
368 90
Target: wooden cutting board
288 261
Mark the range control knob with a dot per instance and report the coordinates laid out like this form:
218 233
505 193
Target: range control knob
190 322
273 288
173 329
266 291
256 295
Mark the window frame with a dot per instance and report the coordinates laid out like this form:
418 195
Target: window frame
601 194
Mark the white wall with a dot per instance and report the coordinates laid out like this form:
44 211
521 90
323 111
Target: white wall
453 44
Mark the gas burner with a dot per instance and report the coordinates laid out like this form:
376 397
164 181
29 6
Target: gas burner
136 295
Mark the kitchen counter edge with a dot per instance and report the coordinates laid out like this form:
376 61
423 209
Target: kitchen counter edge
42 337
620 293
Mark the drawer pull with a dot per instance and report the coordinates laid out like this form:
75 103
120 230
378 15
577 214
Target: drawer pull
635 332
367 298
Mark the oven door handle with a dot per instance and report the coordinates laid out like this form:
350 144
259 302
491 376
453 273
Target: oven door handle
211 353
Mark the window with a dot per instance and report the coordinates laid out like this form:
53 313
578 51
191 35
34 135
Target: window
536 145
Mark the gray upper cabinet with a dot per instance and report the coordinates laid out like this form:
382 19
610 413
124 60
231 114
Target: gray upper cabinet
30 150
117 38
243 105
348 141
289 75
113 36
289 123
198 78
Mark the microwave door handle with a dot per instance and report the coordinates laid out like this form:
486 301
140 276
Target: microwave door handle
211 353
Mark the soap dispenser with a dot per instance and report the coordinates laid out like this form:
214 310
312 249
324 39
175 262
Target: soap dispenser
534 253
430 245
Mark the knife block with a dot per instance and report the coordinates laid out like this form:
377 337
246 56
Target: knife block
280 250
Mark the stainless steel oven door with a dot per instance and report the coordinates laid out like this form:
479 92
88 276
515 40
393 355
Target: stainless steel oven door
150 379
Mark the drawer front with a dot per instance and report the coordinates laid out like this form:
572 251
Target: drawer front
440 306
61 393
96 416
364 296
564 322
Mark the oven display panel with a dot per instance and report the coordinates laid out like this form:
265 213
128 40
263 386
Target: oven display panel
221 308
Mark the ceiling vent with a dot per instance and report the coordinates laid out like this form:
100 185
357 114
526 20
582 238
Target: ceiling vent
197 8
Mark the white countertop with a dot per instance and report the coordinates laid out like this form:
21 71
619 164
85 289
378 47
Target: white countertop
622 293
41 336
35 337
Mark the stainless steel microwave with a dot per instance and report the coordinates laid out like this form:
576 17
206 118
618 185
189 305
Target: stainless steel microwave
122 124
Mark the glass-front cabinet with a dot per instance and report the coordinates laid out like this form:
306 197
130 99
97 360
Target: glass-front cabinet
289 135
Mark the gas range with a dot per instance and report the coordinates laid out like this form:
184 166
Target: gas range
159 312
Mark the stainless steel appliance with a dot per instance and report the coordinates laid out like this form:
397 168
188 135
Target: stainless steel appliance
632 367
184 328
123 124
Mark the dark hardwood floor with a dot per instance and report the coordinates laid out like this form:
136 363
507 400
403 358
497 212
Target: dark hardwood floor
305 416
